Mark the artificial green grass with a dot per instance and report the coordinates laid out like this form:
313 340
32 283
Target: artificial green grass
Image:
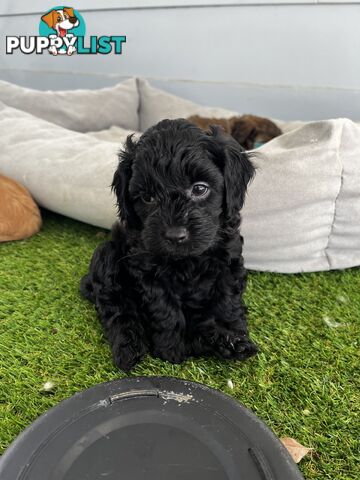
303 384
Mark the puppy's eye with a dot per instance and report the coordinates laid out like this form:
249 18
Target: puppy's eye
59 19
200 190
148 199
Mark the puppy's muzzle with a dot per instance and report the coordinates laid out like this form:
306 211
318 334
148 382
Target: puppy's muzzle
177 234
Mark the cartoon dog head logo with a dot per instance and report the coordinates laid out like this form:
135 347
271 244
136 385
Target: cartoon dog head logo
62 25
61 20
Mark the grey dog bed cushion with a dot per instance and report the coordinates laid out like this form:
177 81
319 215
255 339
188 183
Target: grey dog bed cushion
80 110
302 211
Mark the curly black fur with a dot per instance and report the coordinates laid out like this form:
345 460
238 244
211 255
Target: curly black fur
174 297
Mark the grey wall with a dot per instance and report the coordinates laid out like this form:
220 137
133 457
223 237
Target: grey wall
286 60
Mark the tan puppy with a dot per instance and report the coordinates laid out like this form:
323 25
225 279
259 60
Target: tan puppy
19 215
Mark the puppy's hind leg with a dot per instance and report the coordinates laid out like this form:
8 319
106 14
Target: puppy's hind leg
86 288
106 285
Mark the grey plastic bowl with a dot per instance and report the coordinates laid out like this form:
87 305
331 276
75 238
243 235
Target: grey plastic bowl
148 428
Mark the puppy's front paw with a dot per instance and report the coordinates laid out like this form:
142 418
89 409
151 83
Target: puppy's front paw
126 358
170 355
129 351
236 347
243 348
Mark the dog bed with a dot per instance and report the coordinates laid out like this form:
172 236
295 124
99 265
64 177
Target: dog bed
302 211
80 110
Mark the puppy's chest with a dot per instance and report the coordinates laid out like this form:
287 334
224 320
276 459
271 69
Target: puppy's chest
192 286
188 283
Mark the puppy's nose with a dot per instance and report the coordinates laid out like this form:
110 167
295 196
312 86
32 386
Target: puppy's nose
177 234
72 20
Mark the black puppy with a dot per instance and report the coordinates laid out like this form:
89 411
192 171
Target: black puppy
170 281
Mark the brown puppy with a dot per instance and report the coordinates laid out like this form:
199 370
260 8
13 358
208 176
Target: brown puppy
248 130
19 215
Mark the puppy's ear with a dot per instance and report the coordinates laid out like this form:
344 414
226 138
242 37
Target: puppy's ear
237 171
120 184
